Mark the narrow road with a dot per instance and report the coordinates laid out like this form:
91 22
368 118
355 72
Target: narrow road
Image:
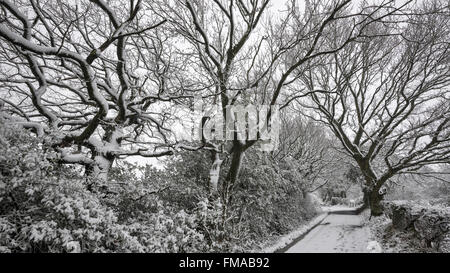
338 233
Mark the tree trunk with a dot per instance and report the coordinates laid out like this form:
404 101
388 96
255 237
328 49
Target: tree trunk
101 167
98 171
214 173
233 172
366 194
103 154
376 209
230 180
235 166
372 198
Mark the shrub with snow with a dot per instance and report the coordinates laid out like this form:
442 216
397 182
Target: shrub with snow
46 207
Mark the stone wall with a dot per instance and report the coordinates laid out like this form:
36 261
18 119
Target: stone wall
431 224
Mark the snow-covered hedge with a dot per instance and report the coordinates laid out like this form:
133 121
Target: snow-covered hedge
46 206
431 224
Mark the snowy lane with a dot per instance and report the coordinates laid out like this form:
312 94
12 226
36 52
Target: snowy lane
337 233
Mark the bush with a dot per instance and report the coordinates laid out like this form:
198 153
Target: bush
46 207
268 198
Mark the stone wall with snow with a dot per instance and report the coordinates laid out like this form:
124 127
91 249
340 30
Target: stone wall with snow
431 224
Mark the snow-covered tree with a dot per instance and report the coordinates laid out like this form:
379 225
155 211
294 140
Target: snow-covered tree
91 75
387 99
244 53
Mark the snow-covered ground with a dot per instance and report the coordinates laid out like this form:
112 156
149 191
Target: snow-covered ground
337 233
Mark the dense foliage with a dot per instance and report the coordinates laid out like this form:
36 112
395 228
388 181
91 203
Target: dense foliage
46 206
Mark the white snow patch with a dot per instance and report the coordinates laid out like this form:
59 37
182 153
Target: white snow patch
337 208
374 247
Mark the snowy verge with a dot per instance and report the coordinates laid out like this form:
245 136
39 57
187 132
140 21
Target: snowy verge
285 240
